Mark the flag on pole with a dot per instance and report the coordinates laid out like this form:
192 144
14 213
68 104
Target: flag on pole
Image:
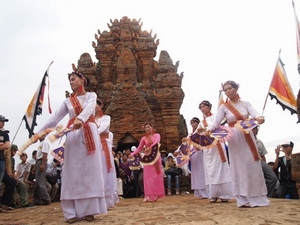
281 90
221 102
221 98
298 55
35 106
297 35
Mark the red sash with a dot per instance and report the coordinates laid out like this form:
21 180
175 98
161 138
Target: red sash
219 146
248 137
103 137
86 128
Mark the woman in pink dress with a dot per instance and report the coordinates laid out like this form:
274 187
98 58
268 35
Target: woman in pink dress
153 174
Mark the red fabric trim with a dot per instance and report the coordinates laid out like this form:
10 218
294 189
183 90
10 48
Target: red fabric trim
90 144
248 137
103 137
221 152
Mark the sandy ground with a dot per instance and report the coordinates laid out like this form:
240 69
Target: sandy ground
182 209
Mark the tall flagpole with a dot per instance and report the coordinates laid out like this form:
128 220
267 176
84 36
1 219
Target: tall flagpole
16 132
298 56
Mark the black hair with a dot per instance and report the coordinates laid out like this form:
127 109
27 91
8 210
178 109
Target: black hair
80 75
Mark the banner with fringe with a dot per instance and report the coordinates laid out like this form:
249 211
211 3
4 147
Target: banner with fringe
281 90
35 106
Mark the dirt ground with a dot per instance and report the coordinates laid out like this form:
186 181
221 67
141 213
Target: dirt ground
182 209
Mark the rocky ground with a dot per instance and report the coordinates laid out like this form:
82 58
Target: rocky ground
182 209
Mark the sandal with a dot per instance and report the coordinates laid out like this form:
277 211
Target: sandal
213 200
203 197
3 210
245 206
6 207
224 200
72 220
89 218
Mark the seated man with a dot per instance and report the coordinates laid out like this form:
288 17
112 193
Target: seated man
171 164
22 174
52 179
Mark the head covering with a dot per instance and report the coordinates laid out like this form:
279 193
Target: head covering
170 155
163 151
99 102
206 103
232 83
133 148
14 147
81 75
288 143
2 118
148 123
195 119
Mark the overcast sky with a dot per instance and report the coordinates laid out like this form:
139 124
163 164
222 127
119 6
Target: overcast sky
214 41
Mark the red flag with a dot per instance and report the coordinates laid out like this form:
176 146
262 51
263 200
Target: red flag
281 90
35 106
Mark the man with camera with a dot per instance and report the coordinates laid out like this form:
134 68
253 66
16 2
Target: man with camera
287 185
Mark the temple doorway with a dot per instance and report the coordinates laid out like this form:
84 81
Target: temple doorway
127 141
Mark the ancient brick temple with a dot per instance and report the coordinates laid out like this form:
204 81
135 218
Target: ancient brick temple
296 170
135 87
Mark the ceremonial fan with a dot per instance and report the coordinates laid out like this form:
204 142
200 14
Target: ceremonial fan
134 163
185 154
152 157
59 133
222 133
246 125
58 153
34 138
201 142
